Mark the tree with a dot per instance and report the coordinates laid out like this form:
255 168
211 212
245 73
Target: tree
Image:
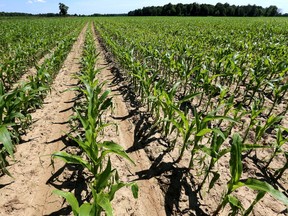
63 9
196 9
272 11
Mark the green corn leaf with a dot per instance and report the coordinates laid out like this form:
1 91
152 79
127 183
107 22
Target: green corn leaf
115 148
85 209
182 116
71 159
84 145
14 115
189 97
135 190
106 104
3 162
189 132
2 90
264 186
197 119
280 140
177 125
5 138
246 147
220 133
104 202
205 149
235 158
83 120
223 152
211 118
235 202
174 88
203 132
71 199
104 95
103 178
284 87
115 188
259 196
271 121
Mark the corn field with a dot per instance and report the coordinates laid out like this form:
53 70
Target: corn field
19 51
214 87
212 93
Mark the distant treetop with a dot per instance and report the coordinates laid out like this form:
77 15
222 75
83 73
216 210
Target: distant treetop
63 9
196 9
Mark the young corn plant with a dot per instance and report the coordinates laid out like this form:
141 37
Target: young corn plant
10 113
236 73
203 127
278 146
95 159
236 182
218 138
106 181
279 91
256 110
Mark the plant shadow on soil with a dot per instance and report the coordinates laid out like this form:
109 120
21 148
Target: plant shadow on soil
4 185
70 178
172 179
72 182
267 175
123 87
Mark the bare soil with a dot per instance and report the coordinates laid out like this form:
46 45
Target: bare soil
151 200
34 179
27 193
166 188
178 185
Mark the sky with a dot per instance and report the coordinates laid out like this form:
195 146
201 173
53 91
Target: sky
88 7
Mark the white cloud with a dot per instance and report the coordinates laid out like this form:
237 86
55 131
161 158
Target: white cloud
36 1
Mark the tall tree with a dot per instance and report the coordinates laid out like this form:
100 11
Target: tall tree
63 9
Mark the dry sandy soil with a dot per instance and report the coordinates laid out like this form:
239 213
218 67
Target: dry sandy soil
166 188
29 192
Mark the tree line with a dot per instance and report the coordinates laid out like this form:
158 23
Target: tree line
63 11
18 14
196 9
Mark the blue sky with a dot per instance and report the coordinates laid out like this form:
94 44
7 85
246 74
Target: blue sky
111 6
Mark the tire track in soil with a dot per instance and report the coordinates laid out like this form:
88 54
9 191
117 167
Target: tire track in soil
28 193
151 200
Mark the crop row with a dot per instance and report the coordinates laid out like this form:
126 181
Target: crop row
94 156
17 104
215 87
23 42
